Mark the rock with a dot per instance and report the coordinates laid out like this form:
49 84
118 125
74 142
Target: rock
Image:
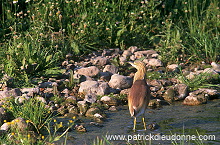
173 68
114 91
195 100
5 126
71 99
197 97
105 76
30 91
73 109
157 103
216 67
80 128
182 91
111 52
96 124
91 98
21 99
48 90
138 55
65 92
103 88
124 92
88 71
155 83
109 101
111 68
191 75
100 61
153 126
212 93
133 49
46 85
70 66
113 109
10 93
132 58
211 71
92 111
52 108
154 103
146 54
83 107
77 76
65 63
153 62
20 124
62 110
71 115
155 89
126 53
120 82
177 92
88 86
122 60
99 88
99 117
166 82
169 94
8 81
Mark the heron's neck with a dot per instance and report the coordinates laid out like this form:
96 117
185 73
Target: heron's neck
140 74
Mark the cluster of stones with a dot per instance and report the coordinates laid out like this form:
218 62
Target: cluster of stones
99 74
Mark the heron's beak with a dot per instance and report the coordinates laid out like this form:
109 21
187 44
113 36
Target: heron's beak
131 63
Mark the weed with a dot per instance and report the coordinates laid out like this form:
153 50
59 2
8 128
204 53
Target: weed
32 110
36 35
202 80
36 114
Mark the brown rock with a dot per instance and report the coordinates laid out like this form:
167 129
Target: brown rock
126 53
8 93
133 49
83 107
80 128
182 91
88 71
98 88
100 61
195 100
153 62
173 67
111 68
92 111
200 96
109 101
120 82
169 94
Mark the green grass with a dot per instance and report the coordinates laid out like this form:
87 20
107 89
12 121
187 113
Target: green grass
46 128
32 110
202 80
36 35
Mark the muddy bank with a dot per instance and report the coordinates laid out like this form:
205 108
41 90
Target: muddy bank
171 119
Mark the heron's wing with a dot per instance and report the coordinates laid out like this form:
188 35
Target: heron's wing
138 96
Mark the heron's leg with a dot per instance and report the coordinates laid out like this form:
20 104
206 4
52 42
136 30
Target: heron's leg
143 119
134 123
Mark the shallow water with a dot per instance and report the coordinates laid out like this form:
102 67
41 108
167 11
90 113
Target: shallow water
174 119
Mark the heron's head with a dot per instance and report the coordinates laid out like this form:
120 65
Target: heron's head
138 64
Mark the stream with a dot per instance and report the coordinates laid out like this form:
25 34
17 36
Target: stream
175 119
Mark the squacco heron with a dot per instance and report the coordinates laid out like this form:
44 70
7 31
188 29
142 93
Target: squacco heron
139 95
